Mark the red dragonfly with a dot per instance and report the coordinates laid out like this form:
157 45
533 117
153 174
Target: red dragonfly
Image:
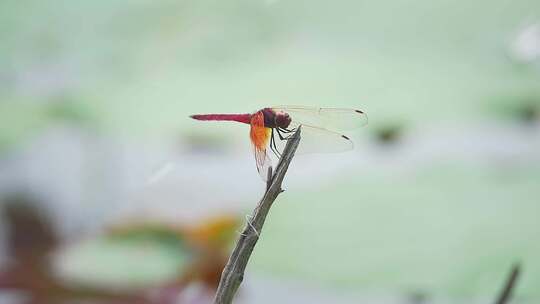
270 127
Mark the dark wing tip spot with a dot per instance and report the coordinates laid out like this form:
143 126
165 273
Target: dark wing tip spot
358 111
345 137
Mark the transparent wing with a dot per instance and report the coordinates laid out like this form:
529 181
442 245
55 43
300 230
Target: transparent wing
327 118
317 140
263 162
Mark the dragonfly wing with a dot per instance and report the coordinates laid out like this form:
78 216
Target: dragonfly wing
326 118
260 138
317 140
263 162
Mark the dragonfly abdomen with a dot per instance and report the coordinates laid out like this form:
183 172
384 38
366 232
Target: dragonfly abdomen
243 118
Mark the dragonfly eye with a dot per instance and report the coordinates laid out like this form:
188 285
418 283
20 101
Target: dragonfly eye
283 120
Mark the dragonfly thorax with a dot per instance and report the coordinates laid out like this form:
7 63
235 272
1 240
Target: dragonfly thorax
273 119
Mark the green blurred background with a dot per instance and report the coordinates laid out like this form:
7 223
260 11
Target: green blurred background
440 197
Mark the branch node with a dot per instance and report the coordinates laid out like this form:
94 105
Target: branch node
248 219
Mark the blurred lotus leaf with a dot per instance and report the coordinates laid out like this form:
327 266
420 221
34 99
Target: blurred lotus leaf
389 133
523 107
132 263
141 255
69 109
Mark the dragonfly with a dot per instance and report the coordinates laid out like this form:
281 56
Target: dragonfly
271 127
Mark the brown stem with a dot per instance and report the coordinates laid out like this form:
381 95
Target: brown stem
506 292
233 273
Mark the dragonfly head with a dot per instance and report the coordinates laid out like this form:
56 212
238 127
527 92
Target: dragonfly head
282 120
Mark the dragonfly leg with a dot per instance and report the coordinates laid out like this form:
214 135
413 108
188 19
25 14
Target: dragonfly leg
279 130
273 145
287 130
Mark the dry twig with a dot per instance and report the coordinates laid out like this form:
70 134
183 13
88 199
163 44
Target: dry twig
506 292
233 273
